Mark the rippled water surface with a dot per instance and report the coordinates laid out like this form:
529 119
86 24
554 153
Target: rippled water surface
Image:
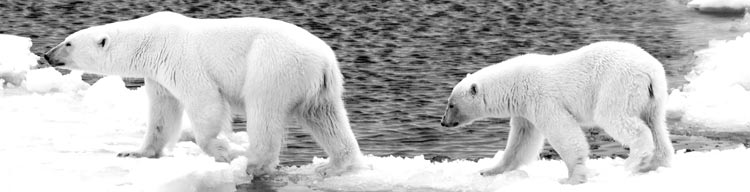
400 59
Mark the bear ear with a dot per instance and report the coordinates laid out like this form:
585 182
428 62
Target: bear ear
103 41
467 74
473 89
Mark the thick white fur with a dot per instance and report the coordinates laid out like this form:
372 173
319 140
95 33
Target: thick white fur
270 70
616 86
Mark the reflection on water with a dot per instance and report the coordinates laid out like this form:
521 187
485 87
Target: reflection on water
401 58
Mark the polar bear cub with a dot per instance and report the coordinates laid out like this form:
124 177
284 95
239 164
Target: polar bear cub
616 86
270 70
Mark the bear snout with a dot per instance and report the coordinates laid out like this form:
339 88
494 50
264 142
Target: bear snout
51 59
41 62
53 55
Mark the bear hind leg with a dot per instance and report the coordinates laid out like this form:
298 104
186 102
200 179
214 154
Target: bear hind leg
210 115
327 121
655 120
165 116
524 143
634 133
265 130
565 135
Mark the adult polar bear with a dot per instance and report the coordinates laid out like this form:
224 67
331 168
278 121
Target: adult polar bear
616 86
268 69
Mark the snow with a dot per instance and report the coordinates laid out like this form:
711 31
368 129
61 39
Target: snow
719 6
49 80
15 58
690 172
718 92
59 134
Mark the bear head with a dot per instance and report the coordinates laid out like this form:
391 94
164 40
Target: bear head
88 49
120 48
465 104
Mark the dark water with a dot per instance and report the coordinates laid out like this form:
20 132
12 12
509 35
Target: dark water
400 59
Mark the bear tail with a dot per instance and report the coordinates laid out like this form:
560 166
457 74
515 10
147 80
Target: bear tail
654 115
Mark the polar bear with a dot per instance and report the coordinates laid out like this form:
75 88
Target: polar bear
270 70
616 86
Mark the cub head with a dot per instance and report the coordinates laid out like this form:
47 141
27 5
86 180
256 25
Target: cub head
465 104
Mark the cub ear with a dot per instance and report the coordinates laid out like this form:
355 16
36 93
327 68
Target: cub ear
103 41
467 74
473 89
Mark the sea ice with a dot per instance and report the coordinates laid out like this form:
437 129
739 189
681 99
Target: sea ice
718 93
15 58
719 6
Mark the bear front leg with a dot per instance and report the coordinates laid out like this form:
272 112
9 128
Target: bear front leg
165 116
210 114
524 143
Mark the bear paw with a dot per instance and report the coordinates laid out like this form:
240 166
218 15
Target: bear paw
641 163
329 169
219 149
258 170
574 180
493 171
580 174
139 154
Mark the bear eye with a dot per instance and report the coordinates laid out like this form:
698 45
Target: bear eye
67 44
450 105
102 42
473 89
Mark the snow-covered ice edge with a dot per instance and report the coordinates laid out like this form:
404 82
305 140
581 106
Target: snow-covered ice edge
717 96
719 6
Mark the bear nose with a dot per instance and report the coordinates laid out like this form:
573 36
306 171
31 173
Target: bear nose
46 57
445 124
